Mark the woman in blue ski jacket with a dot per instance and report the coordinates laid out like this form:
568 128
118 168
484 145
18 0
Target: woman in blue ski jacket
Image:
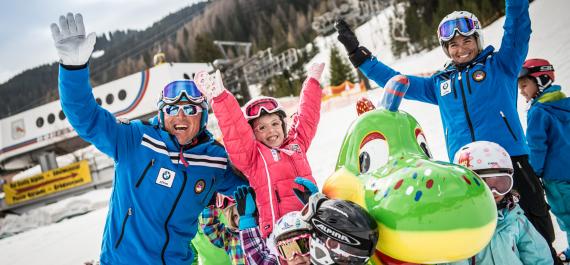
166 170
548 124
476 93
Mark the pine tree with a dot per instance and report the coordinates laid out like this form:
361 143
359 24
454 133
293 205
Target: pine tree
204 50
340 70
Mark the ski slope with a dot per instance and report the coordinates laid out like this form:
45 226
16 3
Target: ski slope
76 240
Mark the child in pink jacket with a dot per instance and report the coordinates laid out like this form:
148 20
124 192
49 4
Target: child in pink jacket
260 146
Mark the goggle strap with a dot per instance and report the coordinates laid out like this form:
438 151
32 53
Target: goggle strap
486 171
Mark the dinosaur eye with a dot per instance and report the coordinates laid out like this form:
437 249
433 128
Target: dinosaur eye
421 139
373 152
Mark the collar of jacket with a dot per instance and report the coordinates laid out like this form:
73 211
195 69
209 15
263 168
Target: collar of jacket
550 94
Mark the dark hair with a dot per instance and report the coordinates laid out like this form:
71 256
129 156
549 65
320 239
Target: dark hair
509 201
279 113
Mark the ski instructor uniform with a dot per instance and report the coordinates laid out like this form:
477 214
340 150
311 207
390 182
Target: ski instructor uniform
477 99
160 185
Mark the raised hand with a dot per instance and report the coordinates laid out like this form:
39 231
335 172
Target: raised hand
72 46
309 188
316 70
346 36
245 199
211 86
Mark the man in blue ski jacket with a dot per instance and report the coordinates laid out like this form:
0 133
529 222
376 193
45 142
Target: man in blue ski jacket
476 93
166 170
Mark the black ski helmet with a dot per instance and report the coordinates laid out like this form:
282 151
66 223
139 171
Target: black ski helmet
343 233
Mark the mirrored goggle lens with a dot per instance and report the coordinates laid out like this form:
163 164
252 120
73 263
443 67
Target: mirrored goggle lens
531 70
464 26
254 110
341 256
189 110
174 91
500 184
296 246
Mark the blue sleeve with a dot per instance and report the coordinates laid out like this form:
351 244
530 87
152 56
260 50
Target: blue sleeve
91 122
537 124
421 88
532 247
231 181
514 45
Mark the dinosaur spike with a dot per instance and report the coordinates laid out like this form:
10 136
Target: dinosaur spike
394 91
364 105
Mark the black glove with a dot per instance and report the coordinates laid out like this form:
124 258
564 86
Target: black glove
357 54
244 206
346 36
247 210
309 188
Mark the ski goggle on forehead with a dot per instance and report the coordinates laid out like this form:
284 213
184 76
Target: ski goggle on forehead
253 110
499 180
176 90
465 26
298 245
188 109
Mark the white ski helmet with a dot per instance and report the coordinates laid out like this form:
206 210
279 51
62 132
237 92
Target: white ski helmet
488 160
288 223
452 24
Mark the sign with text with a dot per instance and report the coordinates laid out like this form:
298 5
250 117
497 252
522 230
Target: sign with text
48 182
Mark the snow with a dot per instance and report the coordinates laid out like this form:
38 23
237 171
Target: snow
76 240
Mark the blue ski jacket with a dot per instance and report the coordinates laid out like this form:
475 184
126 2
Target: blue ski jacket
156 200
515 242
477 101
548 123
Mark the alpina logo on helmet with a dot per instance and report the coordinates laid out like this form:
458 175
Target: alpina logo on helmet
339 236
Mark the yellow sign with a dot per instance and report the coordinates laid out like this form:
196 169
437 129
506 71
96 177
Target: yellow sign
46 183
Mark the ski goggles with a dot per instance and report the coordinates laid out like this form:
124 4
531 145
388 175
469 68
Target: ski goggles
298 245
223 201
175 91
342 257
253 110
465 26
499 180
188 109
531 70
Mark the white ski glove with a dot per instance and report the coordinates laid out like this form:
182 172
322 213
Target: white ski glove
71 44
316 70
211 86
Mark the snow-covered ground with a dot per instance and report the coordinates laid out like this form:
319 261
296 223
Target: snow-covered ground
76 240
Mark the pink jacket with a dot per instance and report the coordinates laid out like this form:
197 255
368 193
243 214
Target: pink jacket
271 172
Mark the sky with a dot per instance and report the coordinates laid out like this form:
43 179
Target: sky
25 36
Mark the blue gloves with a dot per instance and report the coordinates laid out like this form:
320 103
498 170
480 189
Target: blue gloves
309 189
245 200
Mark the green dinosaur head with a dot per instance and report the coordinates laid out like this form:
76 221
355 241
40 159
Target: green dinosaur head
427 211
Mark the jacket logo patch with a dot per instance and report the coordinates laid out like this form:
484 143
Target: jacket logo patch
165 177
295 147
275 155
445 88
199 186
479 75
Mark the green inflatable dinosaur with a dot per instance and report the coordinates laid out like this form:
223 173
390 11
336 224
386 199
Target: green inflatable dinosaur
427 211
